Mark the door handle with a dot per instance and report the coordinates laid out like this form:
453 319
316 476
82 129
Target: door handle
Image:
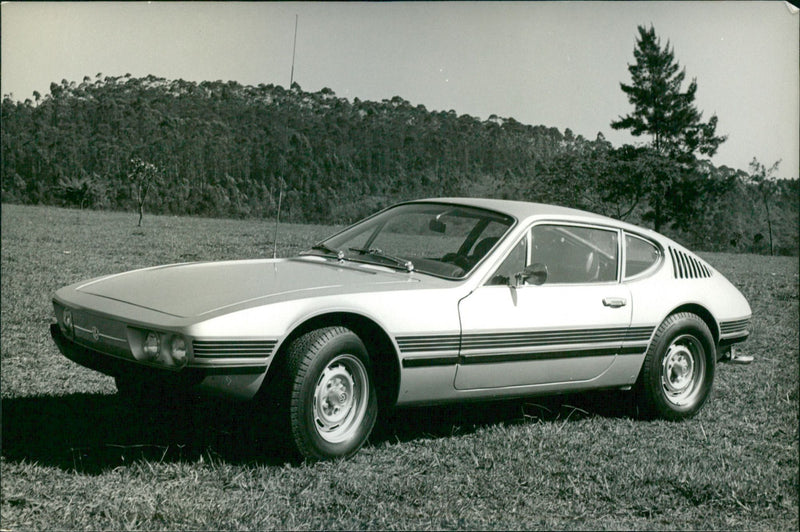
614 302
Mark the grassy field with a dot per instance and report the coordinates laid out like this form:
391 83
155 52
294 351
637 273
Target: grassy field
75 457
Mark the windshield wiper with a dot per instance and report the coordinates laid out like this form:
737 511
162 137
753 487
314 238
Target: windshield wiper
407 265
338 253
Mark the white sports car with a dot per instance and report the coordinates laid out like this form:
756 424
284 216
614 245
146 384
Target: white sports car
425 302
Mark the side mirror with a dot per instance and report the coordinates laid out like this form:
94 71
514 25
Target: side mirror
536 274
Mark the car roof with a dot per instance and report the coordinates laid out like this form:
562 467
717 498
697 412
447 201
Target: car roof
528 211
523 210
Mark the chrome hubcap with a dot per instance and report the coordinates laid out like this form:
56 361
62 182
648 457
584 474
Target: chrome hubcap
682 372
340 398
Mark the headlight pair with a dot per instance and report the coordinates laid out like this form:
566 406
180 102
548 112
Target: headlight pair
168 349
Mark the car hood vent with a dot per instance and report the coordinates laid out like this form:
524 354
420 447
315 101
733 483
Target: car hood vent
687 266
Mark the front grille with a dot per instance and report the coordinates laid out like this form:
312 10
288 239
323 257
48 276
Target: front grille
100 333
233 348
686 266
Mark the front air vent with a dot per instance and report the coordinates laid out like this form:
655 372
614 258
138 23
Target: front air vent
734 327
686 266
235 348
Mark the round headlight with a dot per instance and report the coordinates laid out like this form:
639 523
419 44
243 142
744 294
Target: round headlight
150 347
178 350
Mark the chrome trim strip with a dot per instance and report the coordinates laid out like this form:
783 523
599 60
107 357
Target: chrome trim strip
99 334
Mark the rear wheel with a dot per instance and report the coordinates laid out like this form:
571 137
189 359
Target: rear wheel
331 399
678 369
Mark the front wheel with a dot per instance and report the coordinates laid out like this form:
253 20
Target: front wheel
678 369
332 400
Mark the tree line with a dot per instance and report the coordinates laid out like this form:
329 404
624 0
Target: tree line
229 150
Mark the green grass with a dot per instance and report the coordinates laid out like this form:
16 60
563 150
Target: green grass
75 457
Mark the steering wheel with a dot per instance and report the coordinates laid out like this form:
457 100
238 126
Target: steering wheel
592 267
459 260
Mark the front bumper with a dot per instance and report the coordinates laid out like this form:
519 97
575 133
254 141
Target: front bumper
726 352
233 382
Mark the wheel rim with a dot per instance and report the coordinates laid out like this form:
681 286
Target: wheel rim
683 370
340 398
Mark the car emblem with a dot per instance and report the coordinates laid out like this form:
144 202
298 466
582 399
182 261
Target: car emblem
95 334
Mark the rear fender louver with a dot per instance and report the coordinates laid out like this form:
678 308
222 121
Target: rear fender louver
734 327
686 266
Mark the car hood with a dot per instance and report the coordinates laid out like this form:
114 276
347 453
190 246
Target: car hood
195 289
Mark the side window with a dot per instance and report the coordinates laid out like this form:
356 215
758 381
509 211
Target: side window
513 264
640 255
575 254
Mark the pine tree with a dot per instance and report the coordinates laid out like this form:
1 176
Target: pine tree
672 181
661 110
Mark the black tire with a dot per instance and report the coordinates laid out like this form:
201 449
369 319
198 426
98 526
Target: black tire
678 369
332 404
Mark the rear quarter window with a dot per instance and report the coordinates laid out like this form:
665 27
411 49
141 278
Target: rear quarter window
640 256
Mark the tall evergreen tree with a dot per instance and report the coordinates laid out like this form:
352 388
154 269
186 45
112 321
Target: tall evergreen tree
674 125
661 110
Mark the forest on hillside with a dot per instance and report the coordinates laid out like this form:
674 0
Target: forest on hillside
227 150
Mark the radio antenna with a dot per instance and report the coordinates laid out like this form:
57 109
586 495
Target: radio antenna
277 222
294 48
280 191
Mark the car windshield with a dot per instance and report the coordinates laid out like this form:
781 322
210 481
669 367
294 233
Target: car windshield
438 239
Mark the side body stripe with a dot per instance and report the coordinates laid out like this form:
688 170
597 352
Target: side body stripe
449 349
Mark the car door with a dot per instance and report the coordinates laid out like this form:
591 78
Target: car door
569 328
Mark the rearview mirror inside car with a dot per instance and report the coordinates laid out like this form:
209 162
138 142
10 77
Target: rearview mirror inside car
436 226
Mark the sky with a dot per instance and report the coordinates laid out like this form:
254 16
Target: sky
557 64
